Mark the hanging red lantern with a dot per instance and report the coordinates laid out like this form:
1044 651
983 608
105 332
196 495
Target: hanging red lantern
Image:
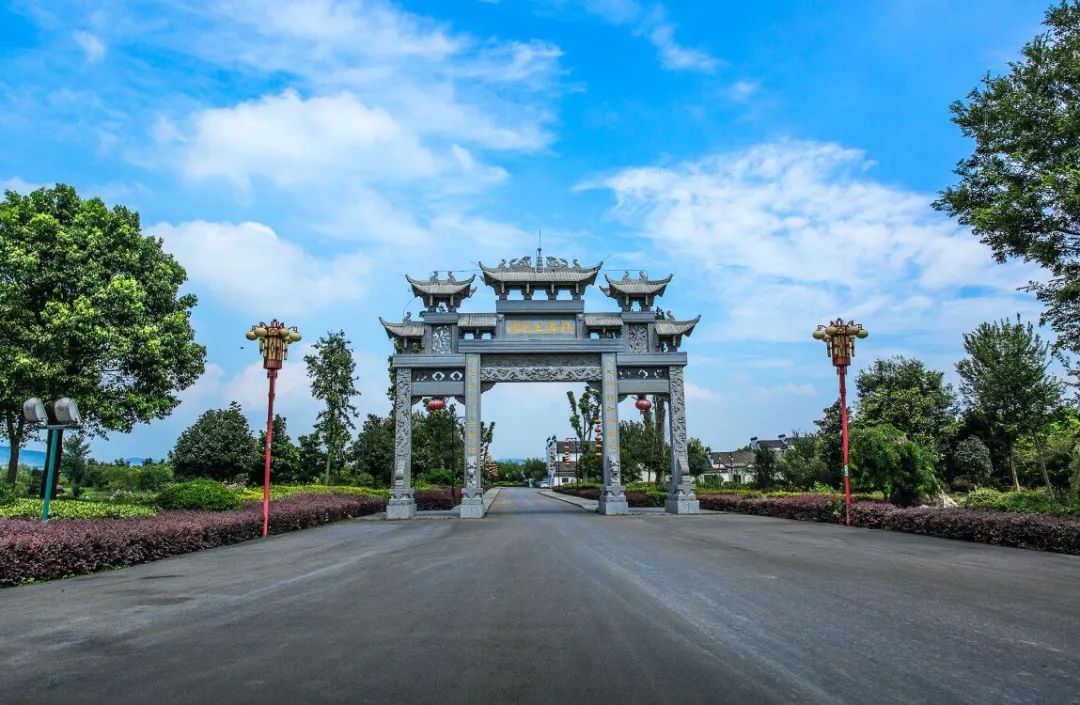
436 404
642 403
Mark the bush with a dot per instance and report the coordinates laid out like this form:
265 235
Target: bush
198 494
1045 533
436 498
70 509
7 495
31 551
1036 501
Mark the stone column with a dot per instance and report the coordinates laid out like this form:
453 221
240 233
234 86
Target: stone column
681 498
612 499
402 504
472 498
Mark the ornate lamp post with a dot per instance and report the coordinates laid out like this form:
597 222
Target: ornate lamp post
839 338
274 342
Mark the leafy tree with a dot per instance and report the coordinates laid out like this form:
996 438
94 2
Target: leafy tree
583 413
801 466
831 446
312 455
331 369
971 460
901 392
698 457
285 465
219 445
886 459
1005 381
373 450
1053 453
73 461
764 467
534 468
438 442
635 447
89 309
1018 191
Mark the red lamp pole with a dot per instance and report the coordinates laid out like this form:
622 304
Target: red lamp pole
839 338
274 342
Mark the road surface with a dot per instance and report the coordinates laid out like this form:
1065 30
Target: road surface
542 602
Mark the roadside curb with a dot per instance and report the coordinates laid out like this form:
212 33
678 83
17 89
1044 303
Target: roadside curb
489 498
589 505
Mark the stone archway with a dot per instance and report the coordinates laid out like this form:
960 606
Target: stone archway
552 339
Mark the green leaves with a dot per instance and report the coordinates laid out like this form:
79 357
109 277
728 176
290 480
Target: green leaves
90 308
218 445
1020 189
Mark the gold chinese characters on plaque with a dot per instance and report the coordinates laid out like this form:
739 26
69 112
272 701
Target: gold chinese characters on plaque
533 327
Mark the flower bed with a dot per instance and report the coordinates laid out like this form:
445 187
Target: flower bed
1044 533
31 551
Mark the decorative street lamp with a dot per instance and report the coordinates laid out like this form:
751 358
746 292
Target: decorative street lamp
274 342
65 415
839 338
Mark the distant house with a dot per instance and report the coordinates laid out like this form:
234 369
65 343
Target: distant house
729 466
562 458
779 445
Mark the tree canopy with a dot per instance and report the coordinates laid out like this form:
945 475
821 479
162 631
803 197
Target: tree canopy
901 392
331 368
1019 191
219 445
89 309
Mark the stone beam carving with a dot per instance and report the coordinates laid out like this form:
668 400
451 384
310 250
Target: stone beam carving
540 368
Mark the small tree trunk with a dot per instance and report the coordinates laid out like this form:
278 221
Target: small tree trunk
1042 466
328 467
1012 469
14 434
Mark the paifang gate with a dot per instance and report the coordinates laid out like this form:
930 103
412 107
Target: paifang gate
537 335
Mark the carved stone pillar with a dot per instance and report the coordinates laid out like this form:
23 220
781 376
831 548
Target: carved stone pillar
612 499
681 498
472 498
402 504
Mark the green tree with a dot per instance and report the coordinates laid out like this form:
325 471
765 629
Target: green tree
901 392
765 467
1005 381
438 442
74 461
801 465
971 460
534 468
373 450
584 413
698 456
89 309
1019 191
285 465
884 458
831 448
219 445
331 368
635 448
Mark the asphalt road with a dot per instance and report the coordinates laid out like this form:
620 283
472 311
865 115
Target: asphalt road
542 602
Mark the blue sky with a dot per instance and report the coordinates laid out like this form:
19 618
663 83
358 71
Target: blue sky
298 158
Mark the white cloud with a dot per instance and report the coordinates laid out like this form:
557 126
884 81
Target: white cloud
93 48
289 140
652 24
20 186
742 91
789 233
235 262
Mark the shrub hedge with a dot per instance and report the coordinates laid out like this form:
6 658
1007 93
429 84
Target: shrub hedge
1044 533
434 498
198 494
1035 501
72 509
31 551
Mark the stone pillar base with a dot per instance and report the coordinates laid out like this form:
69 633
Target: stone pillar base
401 507
472 507
613 501
683 506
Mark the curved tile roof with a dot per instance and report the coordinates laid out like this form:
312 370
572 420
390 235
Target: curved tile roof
478 320
667 328
636 287
603 320
441 287
405 329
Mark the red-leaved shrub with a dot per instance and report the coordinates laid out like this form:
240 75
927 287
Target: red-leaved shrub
32 551
1044 533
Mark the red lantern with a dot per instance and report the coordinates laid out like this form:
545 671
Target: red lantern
436 404
642 403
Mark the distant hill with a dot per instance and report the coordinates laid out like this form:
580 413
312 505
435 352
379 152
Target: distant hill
36 458
33 458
